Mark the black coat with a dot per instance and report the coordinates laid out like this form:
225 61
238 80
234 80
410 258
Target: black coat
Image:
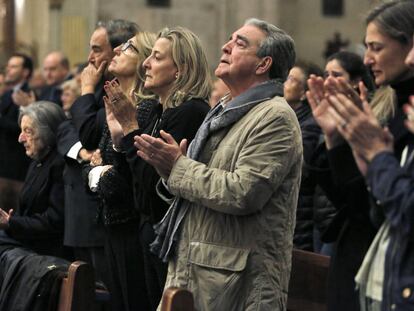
38 221
351 228
88 115
81 225
29 282
311 132
13 160
52 94
315 210
181 122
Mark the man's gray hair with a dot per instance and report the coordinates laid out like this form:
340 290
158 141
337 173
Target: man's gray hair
46 117
119 30
278 45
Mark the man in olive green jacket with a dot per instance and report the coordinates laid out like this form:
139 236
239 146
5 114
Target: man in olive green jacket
228 235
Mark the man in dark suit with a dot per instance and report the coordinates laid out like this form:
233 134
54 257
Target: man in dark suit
82 232
56 71
13 160
3 86
88 110
82 133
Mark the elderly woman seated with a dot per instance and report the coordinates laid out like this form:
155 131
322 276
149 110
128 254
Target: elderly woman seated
37 224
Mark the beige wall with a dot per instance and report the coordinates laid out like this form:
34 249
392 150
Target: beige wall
311 30
214 20
32 29
69 29
40 29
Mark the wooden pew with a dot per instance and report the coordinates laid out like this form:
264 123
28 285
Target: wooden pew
78 288
308 281
307 287
177 299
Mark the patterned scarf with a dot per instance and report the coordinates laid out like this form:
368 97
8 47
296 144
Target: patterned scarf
219 117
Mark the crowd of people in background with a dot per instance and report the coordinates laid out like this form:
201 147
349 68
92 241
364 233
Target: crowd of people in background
141 164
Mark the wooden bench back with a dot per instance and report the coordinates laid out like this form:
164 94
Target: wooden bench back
78 288
308 281
177 299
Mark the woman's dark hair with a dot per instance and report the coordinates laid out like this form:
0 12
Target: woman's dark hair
394 19
308 69
353 64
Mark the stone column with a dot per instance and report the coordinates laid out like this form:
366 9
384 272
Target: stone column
55 7
9 27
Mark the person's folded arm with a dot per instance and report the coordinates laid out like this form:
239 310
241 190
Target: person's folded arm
393 187
89 120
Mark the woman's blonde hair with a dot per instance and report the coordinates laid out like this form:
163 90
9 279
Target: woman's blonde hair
143 41
383 103
73 86
194 80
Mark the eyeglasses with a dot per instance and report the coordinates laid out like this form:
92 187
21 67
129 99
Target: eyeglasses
125 46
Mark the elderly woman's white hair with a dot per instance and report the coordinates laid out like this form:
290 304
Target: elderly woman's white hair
73 86
46 117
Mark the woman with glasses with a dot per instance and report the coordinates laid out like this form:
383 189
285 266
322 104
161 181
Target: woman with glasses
177 72
109 176
295 88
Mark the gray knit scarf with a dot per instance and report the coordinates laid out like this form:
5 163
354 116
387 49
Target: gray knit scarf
167 230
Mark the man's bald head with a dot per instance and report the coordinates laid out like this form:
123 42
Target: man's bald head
55 68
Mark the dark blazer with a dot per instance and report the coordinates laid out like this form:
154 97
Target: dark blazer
53 93
393 186
13 160
38 221
81 226
88 115
304 229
